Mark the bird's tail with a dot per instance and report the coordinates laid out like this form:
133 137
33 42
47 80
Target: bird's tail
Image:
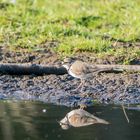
98 120
102 121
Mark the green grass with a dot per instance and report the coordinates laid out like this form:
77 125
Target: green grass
77 25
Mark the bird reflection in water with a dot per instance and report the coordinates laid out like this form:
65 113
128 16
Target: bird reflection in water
79 118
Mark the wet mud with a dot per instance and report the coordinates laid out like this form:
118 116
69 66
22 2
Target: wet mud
107 88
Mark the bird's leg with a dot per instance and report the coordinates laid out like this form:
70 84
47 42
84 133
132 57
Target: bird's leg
83 82
83 106
80 85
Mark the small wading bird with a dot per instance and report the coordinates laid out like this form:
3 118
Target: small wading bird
79 118
81 70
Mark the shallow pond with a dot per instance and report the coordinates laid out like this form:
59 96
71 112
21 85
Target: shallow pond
26 120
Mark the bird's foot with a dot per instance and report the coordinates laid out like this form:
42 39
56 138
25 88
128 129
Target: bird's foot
83 106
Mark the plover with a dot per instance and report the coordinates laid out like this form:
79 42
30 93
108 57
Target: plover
80 70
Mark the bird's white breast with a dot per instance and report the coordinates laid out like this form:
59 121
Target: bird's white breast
74 75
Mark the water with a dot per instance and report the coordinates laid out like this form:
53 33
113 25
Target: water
38 121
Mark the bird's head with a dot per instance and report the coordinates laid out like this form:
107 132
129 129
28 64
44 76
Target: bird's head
67 62
64 123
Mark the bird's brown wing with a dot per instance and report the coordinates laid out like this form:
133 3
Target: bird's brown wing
77 120
82 68
78 67
80 117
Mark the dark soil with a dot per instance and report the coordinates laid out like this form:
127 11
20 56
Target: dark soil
108 88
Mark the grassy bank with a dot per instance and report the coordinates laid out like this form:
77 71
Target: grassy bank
104 27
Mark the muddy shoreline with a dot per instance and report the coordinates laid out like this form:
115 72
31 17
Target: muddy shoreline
108 88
